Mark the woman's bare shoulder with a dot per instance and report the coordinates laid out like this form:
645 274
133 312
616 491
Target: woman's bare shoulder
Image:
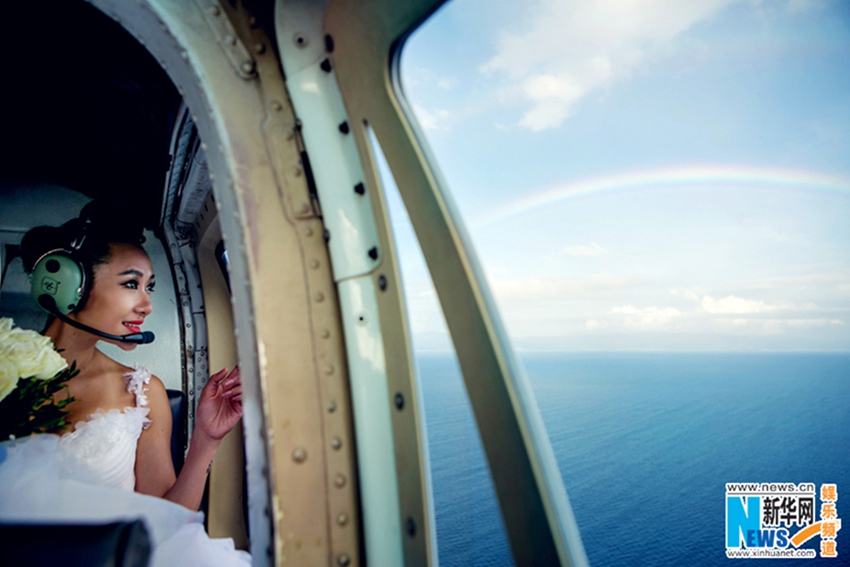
157 386
150 383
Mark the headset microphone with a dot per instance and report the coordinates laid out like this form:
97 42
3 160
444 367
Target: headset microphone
49 305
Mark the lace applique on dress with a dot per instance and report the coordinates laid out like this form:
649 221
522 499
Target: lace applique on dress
137 382
102 449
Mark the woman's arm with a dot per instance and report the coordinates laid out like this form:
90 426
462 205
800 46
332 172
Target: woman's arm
219 409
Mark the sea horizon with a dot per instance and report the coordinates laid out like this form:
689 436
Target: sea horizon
645 442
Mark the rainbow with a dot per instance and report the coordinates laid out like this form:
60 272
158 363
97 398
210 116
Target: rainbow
655 178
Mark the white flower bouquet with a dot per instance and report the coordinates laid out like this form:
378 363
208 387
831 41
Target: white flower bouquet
31 373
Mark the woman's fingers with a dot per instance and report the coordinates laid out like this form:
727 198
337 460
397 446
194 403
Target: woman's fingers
225 377
216 378
235 391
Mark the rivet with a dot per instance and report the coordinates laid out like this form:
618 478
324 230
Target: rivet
204 146
305 208
248 66
318 297
300 40
373 252
331 407
328 369
184 55
325 333
308 231
343 127
343 560
314 264
299 455
342 519
339 480
336 443
276 106
229 40
214 11
382 282
326 65
252 21
360 189
399 400
329 43
410 527
260 48
297 172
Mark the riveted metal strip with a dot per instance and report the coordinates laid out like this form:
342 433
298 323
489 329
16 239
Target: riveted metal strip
219 23
337 449
326 131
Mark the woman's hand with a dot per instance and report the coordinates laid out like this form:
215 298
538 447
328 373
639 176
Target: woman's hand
219 409
220 406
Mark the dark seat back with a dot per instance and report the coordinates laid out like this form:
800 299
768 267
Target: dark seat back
177 400
124 544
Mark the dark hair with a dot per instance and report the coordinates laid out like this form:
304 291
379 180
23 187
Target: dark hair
97 226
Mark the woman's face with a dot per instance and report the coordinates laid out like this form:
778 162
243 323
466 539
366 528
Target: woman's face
120 298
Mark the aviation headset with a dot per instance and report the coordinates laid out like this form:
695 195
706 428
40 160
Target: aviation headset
60 275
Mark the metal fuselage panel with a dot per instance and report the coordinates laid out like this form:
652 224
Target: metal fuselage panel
301 474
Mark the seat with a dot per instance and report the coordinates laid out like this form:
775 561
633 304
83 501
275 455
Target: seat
179 407
124 544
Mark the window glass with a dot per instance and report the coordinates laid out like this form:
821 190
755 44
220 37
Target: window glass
223 263
659 193
462 488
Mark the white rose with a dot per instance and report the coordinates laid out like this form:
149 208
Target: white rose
32 354
8 377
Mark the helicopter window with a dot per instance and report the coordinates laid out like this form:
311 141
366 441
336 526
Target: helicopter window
221 256
660 205
461 480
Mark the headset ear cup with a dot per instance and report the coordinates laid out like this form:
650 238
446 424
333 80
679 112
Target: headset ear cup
58 275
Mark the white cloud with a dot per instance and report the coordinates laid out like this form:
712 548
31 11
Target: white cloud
647 316
569 49
592 249
812 322
547 289
445 83
732 304
693 293
434 119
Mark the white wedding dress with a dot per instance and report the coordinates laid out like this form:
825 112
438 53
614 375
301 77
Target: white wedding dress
87 476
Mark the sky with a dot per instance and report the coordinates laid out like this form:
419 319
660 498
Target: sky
642 175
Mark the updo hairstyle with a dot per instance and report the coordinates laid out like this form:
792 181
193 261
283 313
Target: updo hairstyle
97 226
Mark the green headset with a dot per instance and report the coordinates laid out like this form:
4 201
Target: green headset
59 280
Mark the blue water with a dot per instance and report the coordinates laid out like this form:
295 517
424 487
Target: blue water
645 444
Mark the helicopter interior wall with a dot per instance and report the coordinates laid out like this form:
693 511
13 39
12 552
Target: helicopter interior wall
85 106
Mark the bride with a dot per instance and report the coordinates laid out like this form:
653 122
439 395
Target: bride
119 425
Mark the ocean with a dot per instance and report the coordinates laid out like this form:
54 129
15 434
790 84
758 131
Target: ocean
646 444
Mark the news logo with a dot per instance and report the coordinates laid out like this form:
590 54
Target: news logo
776 520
